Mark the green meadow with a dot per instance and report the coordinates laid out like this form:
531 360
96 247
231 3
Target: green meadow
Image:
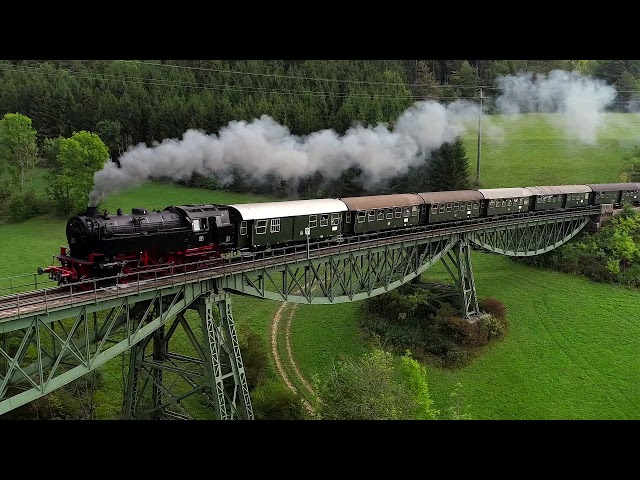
571 351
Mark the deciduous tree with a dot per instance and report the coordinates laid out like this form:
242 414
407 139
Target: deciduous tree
18 150
78 159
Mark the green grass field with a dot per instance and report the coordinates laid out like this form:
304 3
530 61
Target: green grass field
571 350
529 150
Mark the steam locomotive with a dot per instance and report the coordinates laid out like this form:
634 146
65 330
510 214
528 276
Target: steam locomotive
102 245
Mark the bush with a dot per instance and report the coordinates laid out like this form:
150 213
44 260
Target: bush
255 359
433 330
274 401
493 306
24 206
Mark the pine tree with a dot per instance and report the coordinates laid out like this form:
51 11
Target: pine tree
449 168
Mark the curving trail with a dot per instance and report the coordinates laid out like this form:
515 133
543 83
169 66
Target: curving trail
275 326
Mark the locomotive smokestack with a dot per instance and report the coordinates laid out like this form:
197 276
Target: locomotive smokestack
92 212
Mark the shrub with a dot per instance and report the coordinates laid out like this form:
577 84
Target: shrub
274 401
493 306
255 359
24 206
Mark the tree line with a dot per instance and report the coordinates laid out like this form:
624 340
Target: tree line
49 106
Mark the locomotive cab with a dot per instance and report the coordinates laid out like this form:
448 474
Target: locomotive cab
208 222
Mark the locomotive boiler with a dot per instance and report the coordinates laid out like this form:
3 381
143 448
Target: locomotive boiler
104 245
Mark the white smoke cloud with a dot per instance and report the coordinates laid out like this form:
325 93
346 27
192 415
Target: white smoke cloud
581 100
264 146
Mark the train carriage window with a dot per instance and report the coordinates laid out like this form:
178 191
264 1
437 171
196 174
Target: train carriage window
469 206
347 217
414 211
490 203
243 227
455 207
406 212
380 214
372 215
521 201
442 207
504 203
508 203
389 213
261 227
449 207
475 205
424 209
313 221
324 220
434 208
335 218
275 225
362 216
397 212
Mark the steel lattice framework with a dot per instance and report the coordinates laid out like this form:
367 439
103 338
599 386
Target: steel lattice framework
50 337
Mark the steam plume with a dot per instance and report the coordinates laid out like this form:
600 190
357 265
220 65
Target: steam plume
263 146
580 99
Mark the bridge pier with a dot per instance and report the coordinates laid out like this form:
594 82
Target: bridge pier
462 273
215 371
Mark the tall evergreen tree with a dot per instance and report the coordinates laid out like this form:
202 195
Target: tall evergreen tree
449 168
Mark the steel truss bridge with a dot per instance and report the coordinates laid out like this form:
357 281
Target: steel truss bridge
51 335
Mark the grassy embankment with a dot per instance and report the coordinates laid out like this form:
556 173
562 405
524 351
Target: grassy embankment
571 349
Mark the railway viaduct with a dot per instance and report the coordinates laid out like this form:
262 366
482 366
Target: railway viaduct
51 335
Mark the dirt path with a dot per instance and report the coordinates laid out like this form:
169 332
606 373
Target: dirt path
275 326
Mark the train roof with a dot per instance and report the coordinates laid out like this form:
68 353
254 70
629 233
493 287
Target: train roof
451 196
491 193
382 201
606 187
291 208
559 189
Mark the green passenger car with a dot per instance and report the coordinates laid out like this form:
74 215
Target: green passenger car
271 224
381 212
502 201
615 193
452 205
559 197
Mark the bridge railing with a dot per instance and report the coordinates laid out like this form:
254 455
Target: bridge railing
25 297
24 283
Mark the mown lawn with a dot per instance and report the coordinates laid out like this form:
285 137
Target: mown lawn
529 150
571 351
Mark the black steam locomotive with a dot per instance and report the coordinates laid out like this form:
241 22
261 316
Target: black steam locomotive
105 245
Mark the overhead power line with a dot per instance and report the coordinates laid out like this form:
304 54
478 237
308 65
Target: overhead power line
37 70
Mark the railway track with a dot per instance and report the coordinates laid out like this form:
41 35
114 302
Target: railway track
42 300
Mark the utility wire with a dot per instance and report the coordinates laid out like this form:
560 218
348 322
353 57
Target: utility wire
258 89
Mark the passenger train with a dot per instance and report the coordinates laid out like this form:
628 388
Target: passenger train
104 245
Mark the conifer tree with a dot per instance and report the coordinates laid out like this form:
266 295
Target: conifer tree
449 168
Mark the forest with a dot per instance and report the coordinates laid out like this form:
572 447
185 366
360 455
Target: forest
118 104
